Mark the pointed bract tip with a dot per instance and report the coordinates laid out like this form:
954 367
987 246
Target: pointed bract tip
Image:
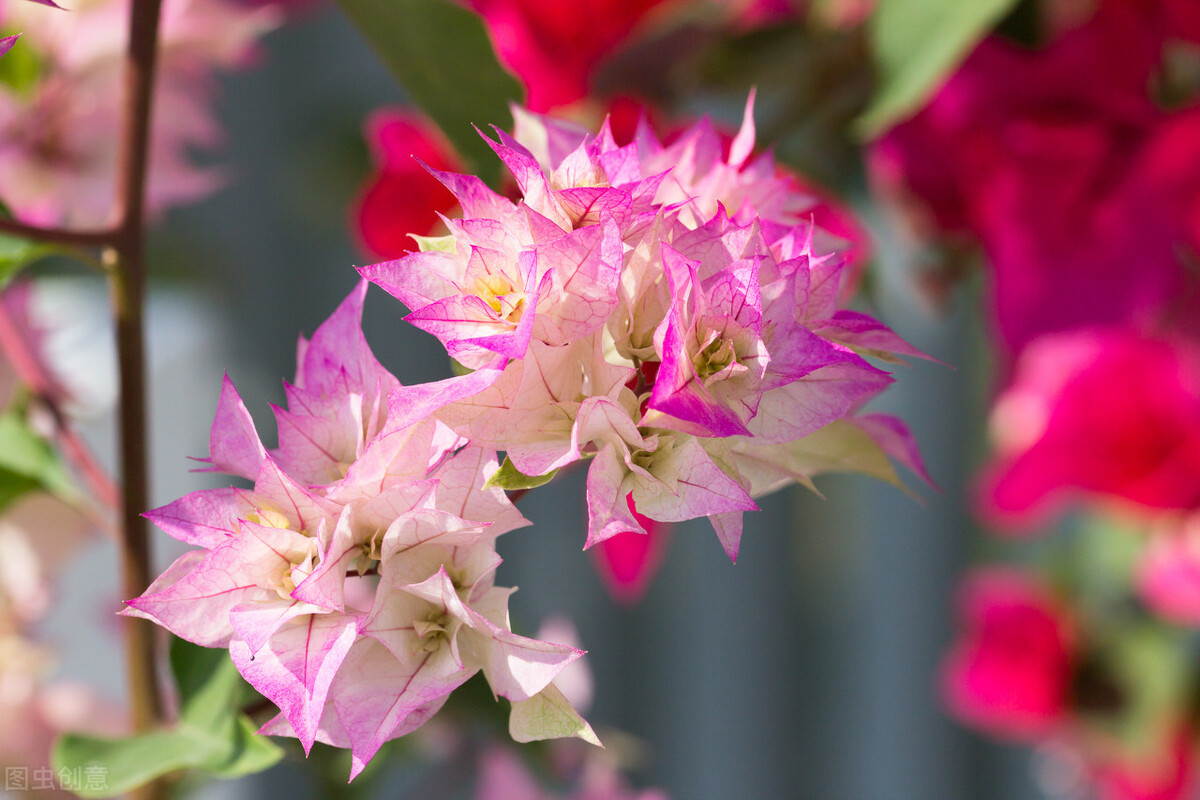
743 144
357 765
485 137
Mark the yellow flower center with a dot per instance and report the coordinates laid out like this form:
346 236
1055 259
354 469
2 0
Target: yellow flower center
269 517
495 290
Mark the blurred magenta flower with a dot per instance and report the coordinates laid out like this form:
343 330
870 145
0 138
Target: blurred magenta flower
750 14
403 197
1098 412
1158 773
1183 18
553 47
629 561
1168 571
1170 19
1081 191
1166 180
1010 672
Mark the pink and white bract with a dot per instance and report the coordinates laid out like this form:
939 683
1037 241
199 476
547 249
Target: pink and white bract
353 584
665 313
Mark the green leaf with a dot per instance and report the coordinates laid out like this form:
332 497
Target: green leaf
193 668
17 253
13 486
211 694
128 763
210 688
1152 665
509 477
28 462
251 753
211 735
21 67
125 764
916 44
441 54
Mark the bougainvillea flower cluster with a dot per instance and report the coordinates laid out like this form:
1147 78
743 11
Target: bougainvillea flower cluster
353 585
664 315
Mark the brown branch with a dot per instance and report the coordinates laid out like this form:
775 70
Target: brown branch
94 238
127 283
124 257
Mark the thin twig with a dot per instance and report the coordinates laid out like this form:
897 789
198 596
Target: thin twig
93 238
81 456
19 352
22 359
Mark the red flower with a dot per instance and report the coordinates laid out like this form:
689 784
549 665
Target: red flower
1171 19
403 198
1098 411
553 46
628 562
1152 774
1010 673
1078 187
1168 572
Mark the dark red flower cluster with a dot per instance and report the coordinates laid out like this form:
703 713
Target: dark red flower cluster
1075 165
